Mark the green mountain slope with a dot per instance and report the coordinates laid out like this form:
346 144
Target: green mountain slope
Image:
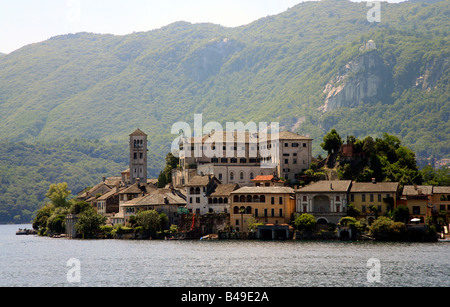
304 68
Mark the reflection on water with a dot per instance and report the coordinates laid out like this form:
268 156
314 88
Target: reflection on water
38 261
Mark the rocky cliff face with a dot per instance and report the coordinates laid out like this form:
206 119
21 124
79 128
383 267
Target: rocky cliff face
207 60
365 79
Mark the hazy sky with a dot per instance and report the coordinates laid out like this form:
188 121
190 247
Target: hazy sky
28 21
23 22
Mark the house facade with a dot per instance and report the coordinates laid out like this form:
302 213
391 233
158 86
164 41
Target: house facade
268 205
373 199
326 200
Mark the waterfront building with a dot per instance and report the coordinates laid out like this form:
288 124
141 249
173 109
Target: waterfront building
163 200
239 157
198 190
219 200
373 198
267 205
325 200
424 201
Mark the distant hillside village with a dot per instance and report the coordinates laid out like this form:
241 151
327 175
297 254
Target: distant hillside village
231 195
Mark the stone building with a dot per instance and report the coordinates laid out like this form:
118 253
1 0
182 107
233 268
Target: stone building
326 200
238 157
138 156
268 205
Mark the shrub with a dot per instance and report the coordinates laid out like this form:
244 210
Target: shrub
305 222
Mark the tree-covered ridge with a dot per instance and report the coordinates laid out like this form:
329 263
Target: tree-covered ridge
90 86
27 170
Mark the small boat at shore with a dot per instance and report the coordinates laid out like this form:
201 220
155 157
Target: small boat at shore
24 232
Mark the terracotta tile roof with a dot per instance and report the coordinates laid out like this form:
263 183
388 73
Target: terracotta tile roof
441 189
138 132
263 190
374 187
327 186
263 178
417 190
224 189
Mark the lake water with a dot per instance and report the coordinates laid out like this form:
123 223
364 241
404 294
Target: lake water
41 261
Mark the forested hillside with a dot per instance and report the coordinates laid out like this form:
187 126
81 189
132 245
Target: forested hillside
306 68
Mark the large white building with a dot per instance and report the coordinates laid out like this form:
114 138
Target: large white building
238 157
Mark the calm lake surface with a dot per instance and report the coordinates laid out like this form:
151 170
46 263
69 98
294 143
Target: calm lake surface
42 262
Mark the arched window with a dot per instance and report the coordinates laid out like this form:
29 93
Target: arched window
236 210
262 199
248 210
225 200
231 176
220 200
249 198
242 199
241 175
191 191
255 198
197 190
215 200
235 198
242 210
252 176
209 200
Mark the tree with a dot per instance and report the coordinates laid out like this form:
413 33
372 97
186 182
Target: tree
401 214
332 142
353 211
305 222
58 194
89 223
149 220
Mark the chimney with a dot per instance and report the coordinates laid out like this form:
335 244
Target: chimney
104 178
374 181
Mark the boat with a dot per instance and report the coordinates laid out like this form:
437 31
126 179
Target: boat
25 231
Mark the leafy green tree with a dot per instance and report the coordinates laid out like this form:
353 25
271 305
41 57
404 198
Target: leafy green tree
332 142
353 211
89 223
150 220
401 214
305 222
58 194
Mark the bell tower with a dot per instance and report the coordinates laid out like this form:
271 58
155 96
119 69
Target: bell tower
138 157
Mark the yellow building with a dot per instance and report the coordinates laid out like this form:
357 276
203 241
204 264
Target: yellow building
418 200
268 205
367 195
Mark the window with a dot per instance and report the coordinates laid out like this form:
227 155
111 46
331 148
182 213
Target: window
305 198
252 176
379 197
371 197
220 176
295 144
416 209
281 212
256 212
241 176
352 197
286 144
135 156
272 212
338 198
281 200
363 196
231 176
197 200
304 144
237 223
190 200
272 200
265 212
